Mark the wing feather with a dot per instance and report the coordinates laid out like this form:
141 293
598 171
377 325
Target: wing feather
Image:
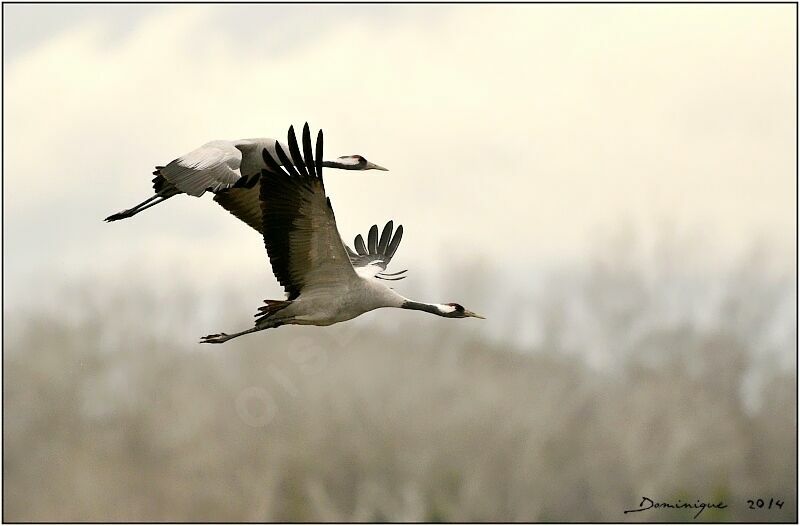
376 253
295 151
385 237
372 241
298 223
284 159
360 246
244 203
398 236
214 166
308 152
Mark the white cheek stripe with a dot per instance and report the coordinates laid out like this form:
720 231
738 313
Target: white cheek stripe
350 161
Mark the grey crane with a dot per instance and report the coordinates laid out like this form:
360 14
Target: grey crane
230 170
325 281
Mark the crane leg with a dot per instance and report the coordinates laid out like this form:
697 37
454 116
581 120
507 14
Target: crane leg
222 337
164 193
156 199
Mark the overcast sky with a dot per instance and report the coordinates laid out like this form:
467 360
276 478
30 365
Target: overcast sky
514 133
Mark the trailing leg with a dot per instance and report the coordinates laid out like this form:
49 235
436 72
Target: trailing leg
144 205
222 337
164 190
265 320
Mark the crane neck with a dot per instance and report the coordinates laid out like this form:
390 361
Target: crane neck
339 165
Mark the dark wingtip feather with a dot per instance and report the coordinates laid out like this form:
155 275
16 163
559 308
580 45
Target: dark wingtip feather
270 162
372 240
318 158
287 164
294 149
398 236
359 243
308 152
386 236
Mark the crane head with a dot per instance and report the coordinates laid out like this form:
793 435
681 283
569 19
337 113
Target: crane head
357 162
458 311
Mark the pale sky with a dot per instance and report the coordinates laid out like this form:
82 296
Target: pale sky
515 134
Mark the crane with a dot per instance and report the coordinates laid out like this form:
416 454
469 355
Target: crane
325 281
229 169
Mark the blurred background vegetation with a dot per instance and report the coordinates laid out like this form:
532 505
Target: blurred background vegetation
623 377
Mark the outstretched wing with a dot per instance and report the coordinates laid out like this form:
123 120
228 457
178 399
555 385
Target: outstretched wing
299 227
214 166
375 256
244 201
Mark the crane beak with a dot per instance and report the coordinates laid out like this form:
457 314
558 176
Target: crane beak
470 314
373 166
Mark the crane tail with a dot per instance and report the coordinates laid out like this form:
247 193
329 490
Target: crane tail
270 307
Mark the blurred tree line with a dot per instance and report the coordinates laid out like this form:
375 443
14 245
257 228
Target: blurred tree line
644 380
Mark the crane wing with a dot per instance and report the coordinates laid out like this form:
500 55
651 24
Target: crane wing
214 166
299 227
373 258
242 199
243 202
